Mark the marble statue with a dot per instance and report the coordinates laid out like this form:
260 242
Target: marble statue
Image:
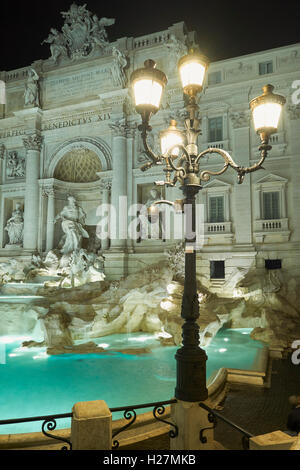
150 227
14 227
83 267
176 49
57 44
98 32
73 220
120 63
15 166
11 270
80 34
31 94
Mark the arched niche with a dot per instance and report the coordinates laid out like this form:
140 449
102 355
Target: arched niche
83 158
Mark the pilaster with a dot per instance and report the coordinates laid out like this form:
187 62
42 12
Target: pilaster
33 144
241 154
294 115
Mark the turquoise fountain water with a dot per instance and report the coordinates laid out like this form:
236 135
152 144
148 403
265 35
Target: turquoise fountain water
33 383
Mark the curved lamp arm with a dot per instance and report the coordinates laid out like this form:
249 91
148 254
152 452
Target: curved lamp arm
170 160
155 160
205 174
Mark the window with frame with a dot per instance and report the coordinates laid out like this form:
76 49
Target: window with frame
271 209
214 78
217 269
215 129
265 67
216 209
273 264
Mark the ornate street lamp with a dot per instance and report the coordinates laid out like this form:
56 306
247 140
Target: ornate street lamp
182 164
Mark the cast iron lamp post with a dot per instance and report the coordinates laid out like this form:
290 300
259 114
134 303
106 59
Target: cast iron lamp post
181 161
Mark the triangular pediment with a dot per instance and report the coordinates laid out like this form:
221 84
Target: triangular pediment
271 178
216 183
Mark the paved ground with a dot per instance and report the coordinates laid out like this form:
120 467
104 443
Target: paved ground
257 410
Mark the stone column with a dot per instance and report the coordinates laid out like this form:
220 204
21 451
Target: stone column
49 192
294 115
2 154
119 188
32 144
105 186
242 192
257 202
130 159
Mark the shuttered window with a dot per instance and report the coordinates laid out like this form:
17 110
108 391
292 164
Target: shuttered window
215 129
216 209
271 205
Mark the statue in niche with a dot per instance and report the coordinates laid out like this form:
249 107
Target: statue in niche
15 166
14 226
73 220
120 63
151 226
31 94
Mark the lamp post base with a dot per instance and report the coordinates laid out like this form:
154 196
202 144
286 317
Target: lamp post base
191 375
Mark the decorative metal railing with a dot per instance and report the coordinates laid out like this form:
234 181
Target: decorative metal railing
49 423
213 417
130 415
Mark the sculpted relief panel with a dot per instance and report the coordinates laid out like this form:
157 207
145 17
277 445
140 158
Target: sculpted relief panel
83 35
83 84
15 165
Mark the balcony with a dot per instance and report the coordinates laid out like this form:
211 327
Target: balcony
220 144
278 142
217 233
271 231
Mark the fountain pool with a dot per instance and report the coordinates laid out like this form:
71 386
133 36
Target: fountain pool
33 383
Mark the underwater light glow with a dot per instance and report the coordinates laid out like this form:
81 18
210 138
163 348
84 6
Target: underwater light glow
42 355
72 378
140 339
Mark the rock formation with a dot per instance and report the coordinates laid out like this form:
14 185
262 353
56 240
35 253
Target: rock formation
263 300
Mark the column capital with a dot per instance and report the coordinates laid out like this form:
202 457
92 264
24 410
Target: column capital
105 184
294 111
120 128
33 142
48 192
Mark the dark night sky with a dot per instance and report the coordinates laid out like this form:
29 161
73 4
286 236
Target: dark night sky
225 28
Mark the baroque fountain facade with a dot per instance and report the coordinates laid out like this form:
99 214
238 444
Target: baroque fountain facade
74 233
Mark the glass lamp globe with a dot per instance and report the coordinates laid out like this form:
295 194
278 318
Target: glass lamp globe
192 68
148 84
170 137
266 110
